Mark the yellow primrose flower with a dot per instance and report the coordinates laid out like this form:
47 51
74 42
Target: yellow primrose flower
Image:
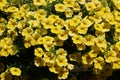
116 15
58 42
54 68
99 27
48 45
48 39
38 52
76 7
61 52
97 3
12 24
81 1
2 28
82 29
101 42
81 46
87 60
92 54
39 2
27 41
27 31
60 7
74 21
55 29
99 63
38 61
117 45
63 73
99 33
97 18
77 39
15 71
61 61
12 9
111 56
53 17
117 27
40 40
63 35
3 2
106 27
89 40
90 6
25 7
73 32
116 65
69 3
49 57
110 19
70 66
5 76
47 23
40 14
59 22
86 22
68 12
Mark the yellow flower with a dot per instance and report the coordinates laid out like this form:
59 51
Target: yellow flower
27 41
110 19
81 1
68 12
111 56
61 61
12 24
53 17
97 3
90 6
87 60
25 7
3 2
63 35
101 42
40 14
61 52
12 9
55 29
92 54
54 68
60 7
69 3
99 63
97 18
70 66
39 2
81 46
48 45
89 40
82 29
76 7
27 31
117 45
116 65
47 23
38 52
4 52
40 40
77 39
59 22
73 32
63 73
74 21
38 61
58 42
15 71
5 76
117 15
117 27
99 27
49 58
